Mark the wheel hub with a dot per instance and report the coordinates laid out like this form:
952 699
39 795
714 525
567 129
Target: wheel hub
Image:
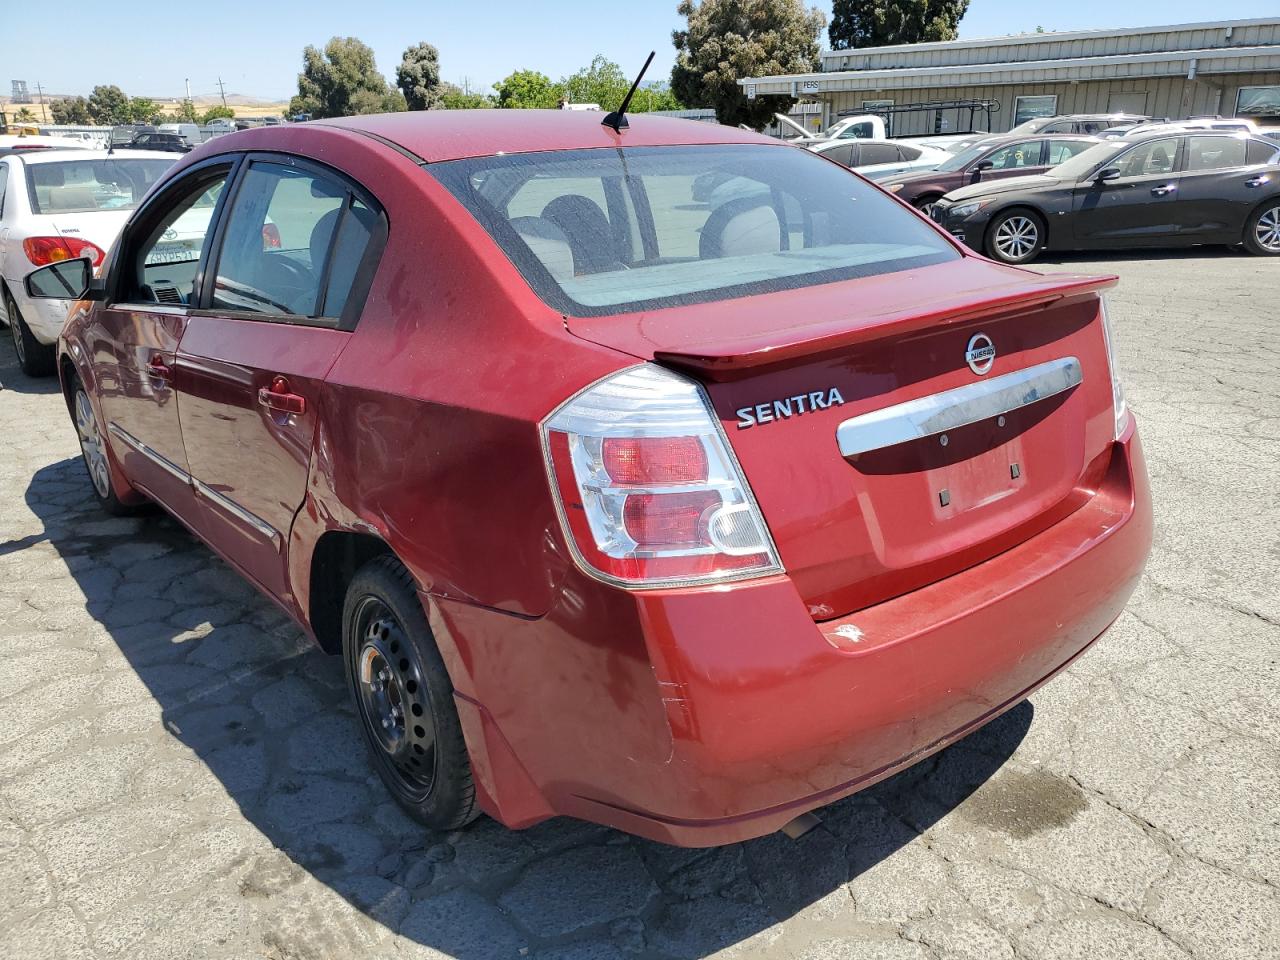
1016 237
1268 229
91 446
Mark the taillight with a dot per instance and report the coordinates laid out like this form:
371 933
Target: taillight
45 250
648 491
270 237
1118 404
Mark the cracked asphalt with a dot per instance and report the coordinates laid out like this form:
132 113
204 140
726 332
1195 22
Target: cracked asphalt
181 775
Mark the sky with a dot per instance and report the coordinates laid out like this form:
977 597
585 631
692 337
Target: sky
256 47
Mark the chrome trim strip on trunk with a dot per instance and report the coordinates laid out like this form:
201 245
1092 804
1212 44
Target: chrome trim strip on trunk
165 464
939 412
202 488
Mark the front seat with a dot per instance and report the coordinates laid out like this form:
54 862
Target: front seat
588 231
740 228
1159 162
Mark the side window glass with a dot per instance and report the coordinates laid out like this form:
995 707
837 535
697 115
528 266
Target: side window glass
1214 153
1259 152
350 242
1025 154
1060 150
4 178
1150 159
872 153
166 262
280 227
908 153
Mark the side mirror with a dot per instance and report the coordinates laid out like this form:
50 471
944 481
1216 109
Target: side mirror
1109 173
981 168
65 280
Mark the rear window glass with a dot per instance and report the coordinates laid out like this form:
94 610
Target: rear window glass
87 186
605 231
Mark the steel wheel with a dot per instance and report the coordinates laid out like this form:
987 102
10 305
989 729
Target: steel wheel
1016 237
391 692
91 444
1266 230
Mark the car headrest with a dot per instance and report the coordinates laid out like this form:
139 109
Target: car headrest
740 228
548 243
588 231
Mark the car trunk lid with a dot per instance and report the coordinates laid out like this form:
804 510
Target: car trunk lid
990 454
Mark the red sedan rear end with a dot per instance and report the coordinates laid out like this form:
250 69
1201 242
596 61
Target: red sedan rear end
670 478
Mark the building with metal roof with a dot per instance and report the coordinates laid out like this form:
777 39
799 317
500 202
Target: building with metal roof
1223 68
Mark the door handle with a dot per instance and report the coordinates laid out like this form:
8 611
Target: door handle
1167 189
279 397
157 368
1257 181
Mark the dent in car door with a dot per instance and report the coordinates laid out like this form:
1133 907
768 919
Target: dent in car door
253 362
134 340
1138 207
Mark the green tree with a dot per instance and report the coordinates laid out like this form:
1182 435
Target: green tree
418 77
881 23
24 115
728 39
654 96
217 113
108 104
143 110
331 79
71 110
603 82
528 90
453 97
186 112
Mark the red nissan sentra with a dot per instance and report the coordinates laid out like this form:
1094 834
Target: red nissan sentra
681 516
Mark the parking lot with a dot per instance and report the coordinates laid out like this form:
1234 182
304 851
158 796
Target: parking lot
181 775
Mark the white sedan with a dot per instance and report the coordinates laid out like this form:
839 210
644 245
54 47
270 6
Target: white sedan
60 205
882 158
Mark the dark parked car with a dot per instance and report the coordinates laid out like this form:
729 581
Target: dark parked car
1158 191
993 159
1090 123
167 142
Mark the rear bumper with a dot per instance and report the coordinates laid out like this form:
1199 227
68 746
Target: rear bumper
709 716
44 318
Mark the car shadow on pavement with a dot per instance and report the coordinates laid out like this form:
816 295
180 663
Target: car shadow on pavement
266 714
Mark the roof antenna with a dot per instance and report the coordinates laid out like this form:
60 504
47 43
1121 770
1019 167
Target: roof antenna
618 119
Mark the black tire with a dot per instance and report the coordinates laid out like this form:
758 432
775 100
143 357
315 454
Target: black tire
1015 236
1262 230
392 661
95 454
923 204
35 358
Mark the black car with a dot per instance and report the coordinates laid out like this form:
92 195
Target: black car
1162 190
167 142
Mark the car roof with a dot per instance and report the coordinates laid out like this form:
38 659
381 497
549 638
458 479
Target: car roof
53 156
439 135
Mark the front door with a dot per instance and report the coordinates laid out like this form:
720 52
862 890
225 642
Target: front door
1138 207
252 363
135 338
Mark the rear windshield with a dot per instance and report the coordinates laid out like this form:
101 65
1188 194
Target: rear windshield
87 186
606 231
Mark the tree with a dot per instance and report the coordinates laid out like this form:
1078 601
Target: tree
70 110
603 82
654 96
217 113
143 110
331 79
418 77
880 23
528 90
186 112
729 39
108 104
453 97
24 115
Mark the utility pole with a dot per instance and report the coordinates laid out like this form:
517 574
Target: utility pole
188 83
222 89
40 94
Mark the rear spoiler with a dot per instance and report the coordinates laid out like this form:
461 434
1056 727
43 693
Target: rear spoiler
726 362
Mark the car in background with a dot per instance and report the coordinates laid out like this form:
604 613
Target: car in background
1159 190
861 127
34 143
995 158
123 134
681 518
880 158
1229 125
189 132
164 142
60 205
1088 123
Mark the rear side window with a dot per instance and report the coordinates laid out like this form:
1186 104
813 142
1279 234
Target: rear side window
909 153
1260 152
1215 153
1060 150
685 224
871 153
283 225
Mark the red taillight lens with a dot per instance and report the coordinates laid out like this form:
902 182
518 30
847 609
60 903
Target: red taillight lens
270 237
654 460
42 251
669 519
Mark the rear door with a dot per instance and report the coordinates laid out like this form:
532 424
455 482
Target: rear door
1224 178
1138 207
290 271
134 340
